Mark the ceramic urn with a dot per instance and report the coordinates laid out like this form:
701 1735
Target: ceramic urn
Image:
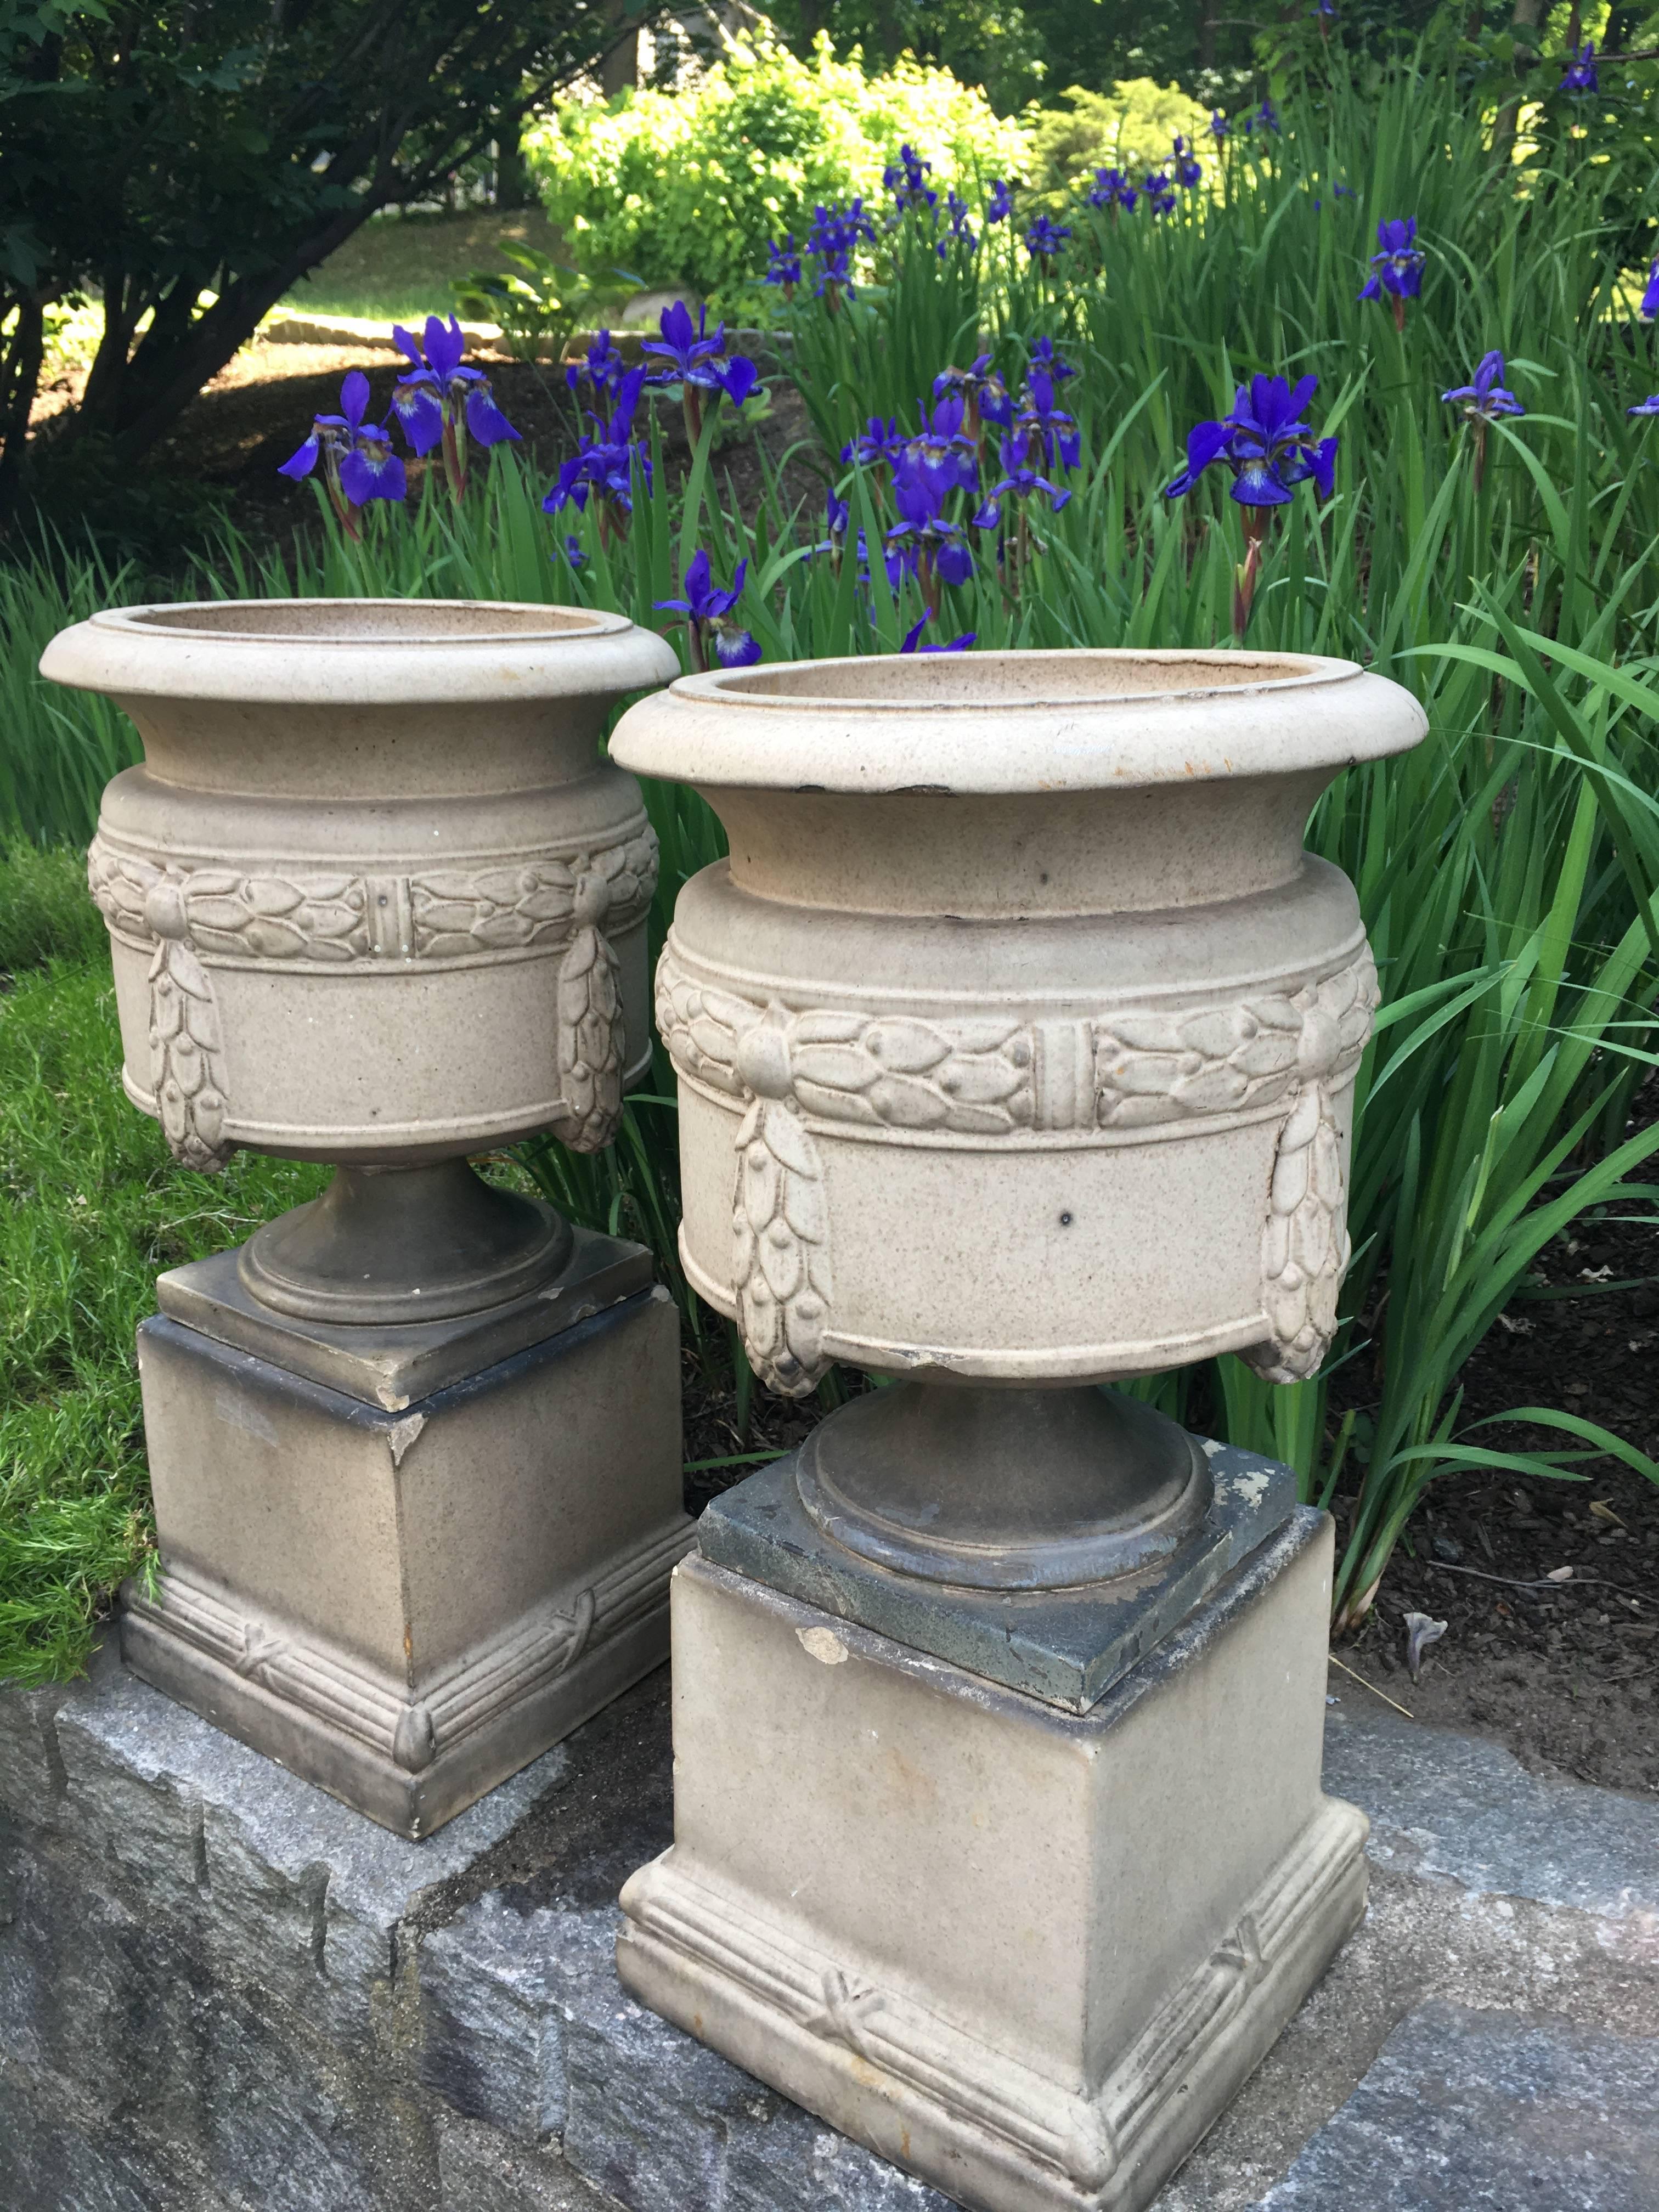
376 899
1017 1043
1017 1037
373 895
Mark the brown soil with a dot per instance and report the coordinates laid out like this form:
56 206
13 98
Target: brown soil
1564 1673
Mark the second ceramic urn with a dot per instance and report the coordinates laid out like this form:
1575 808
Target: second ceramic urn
1016 1042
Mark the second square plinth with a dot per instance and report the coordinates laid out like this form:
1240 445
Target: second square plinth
405 1601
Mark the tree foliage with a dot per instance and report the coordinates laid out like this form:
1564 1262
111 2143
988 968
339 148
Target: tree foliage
188 161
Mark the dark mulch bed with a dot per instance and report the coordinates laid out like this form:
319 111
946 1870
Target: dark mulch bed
1562 1673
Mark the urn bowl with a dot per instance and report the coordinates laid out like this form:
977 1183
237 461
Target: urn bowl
1017 1037
375 896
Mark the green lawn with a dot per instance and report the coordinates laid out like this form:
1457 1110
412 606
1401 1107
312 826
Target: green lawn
91 1207
402 268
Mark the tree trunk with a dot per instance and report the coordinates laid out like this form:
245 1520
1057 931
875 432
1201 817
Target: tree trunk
1209 34
513 187
20 379
139 397
619 71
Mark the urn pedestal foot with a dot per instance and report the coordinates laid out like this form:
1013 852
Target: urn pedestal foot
1028 1955
405 1244
404 1560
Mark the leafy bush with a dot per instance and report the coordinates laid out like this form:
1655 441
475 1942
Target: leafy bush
1131 126
687 188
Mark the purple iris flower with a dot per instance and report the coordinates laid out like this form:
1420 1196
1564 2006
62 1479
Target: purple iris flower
1650 307
838 519
1483 401
1160 195
960 231
922 529
692 357
1265 118
1397 271
880 442
572 550
1044 357
1265 444
941 453
1001 205
1021 481
912 638
1188 172
1048 429
1485 397
1112 190
784 267
1269 449
839 230
1046 238
906 178
1581 76
1219 125
984 395
358 463
834 277
1399 266
1648 406
708 616
606 464
602 366
441 402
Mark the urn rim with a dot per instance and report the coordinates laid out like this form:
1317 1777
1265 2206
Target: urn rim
1073 718
367 652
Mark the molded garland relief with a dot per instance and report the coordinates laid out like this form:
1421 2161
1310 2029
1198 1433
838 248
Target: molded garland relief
989 1079
343 920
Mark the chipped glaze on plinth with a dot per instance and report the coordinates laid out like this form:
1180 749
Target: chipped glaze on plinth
374 895
1017 1038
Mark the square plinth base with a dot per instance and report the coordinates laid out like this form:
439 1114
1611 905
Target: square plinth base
1027 1956
406 1606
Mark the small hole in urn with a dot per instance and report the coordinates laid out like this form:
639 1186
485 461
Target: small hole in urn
1065 1220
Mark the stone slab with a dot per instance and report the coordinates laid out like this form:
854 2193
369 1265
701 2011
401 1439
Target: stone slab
392 1366
1066 1647
1489 2112
173 2035
1454 1808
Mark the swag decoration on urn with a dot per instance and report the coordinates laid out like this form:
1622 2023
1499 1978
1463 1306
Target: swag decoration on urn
1016 1042
375 898
1130 1072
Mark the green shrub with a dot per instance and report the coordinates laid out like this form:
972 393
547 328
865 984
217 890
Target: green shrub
687 188
1130 126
